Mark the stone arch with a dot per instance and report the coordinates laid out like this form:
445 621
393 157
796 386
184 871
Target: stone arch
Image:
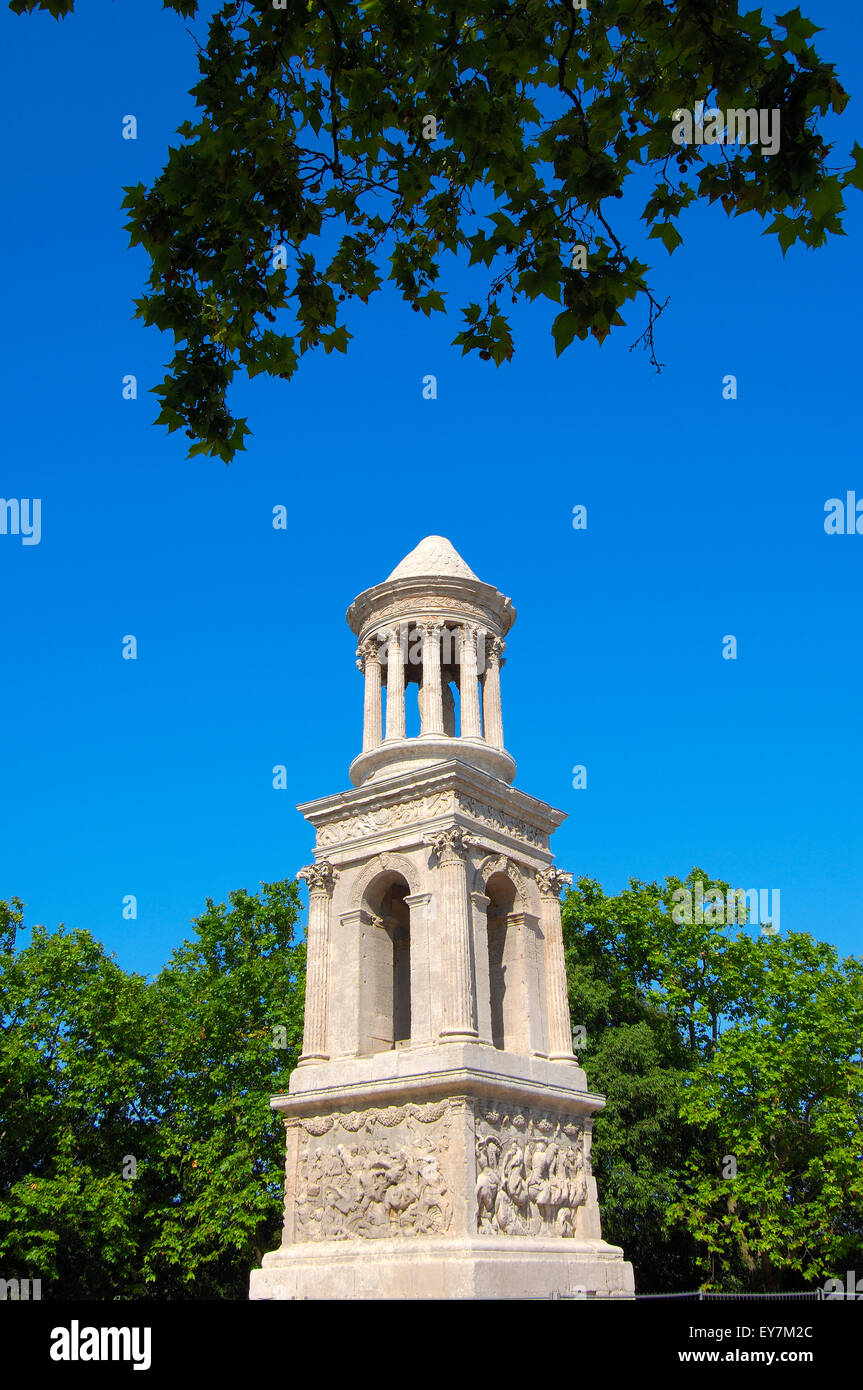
382 864
501 864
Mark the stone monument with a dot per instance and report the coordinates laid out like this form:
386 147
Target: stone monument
438 1123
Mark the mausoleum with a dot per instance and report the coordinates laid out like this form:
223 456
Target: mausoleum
438 1123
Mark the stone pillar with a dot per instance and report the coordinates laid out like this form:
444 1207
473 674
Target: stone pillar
550 882
320 878
479 909
469 685
432 696
459 1012
491 711
395 684
421 1027
367 661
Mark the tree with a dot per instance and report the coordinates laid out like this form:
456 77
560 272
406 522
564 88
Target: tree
730 1149
637 1055
139 1157
340 143
230 1006
75 1046
783 1093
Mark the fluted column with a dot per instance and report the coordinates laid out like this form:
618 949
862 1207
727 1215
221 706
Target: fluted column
320 878
459 1005
491 711
432 695
395 684
550 883
469 684
367 661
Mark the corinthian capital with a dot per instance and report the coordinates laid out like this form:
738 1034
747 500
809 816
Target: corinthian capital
367 651
320 877
552 881
494 648
452 843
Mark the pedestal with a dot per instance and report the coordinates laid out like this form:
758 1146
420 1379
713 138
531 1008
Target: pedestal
449 1171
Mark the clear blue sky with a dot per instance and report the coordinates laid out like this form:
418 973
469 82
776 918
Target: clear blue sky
706 517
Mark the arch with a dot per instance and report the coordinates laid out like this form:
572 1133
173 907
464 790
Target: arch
501 864
385 952
506 889
382 864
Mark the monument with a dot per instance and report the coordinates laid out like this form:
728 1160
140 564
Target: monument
438 1123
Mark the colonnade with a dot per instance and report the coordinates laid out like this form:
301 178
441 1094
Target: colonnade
478 659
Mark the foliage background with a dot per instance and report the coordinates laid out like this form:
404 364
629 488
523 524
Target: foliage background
708 1041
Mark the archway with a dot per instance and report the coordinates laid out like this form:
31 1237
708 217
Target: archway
385 986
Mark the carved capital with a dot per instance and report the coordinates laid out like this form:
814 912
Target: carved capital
320 877
368 650
551 882
494 648
450 844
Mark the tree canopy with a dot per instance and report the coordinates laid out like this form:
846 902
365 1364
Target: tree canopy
731 1151
342 143
138 1154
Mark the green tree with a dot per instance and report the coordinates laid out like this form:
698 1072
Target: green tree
230 1014
783 1094
98 1068
638 1056
75 1049
341 143
714 1044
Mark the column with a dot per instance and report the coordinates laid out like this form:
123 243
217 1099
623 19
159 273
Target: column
550 882
469 685
479 911
421 1031
451 848
432 697
367 661
491 712
320 878
395 684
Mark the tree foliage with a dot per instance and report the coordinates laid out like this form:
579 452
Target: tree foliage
716 1044
307 179
98 1067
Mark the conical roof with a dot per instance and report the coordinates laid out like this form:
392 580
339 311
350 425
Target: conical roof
432 557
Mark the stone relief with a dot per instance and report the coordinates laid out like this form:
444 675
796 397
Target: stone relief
374 1174
532 1172
498 820
423 808
385 818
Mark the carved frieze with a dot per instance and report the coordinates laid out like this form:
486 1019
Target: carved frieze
498 820
384 818
532 1172
376 1173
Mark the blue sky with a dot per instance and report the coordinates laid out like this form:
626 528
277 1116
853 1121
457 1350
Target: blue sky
705 517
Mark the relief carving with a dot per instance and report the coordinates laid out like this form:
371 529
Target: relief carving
374 1174
384 818
498 820
532 1173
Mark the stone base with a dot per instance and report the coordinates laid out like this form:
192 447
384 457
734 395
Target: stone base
478 1267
